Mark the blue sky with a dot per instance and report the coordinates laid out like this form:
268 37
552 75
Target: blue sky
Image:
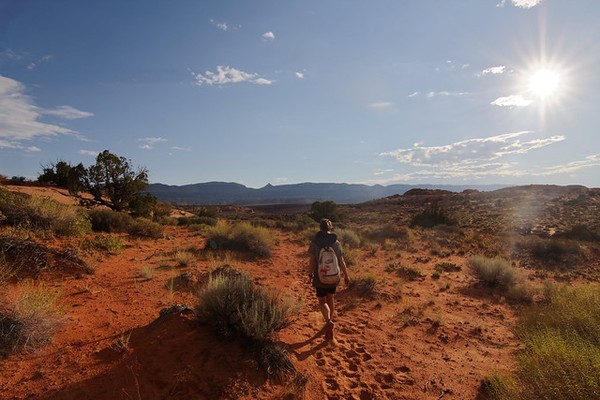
257 92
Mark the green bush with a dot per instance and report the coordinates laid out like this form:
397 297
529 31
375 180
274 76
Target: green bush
43 214
325 209
493 272
348 238
34 316
241 236
555 251
432 217
109 243
235 307
104 220
561 356
145 228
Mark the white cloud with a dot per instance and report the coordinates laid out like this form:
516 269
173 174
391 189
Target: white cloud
34 64
381 105
33 149
181 148
221 25
478 158
226 75
494 70
526 3
268 36
67 112
92 153
471 151
444 93
300 75
515 100
413 94
149 142
379 172
20 117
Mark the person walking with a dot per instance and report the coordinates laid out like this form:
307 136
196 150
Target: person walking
326 239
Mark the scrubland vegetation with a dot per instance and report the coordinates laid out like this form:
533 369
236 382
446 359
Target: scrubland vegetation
420 259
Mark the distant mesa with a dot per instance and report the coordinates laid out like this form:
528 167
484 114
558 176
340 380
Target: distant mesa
221 193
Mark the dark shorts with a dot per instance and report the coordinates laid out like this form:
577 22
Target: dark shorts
322 292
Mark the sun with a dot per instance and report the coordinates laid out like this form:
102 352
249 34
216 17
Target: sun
544 83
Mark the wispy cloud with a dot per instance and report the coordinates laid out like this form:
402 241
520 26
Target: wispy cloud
414 94
33 149
224 26
227 75
476 158
148 143
470 151
515 100
268 36
20 117
494 70
445 93
33 65
67 112
181 148
92 153
520 3
382 105
299 75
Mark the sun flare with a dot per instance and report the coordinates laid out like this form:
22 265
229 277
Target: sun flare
544 82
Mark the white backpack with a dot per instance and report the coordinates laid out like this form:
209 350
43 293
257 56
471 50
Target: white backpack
328 267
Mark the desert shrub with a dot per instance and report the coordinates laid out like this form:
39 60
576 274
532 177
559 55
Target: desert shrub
365 285
145 228
105 220
493 272
580 232
109 243
348 238
325 209
184 258
432 217
553 250
387 231
168 221
235 307
561 339
198 220
408 273
241 236
162 210
303 222
28 258
8 269
40 213
31 321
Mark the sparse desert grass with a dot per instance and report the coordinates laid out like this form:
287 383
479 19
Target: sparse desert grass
365 285
197 220
110 243
431 217
348 238
493 272
552 252
580 232
235 307
146 273
42 214
498 274
408 273
8 269
28 258
350 256
31 319
561 358
184 258
241 236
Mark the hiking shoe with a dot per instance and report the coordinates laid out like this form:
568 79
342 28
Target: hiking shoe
329 331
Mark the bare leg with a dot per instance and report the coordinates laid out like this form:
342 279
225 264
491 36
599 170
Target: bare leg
324 307
331 305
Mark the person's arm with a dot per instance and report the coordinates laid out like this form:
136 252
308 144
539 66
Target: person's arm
310 267
344 270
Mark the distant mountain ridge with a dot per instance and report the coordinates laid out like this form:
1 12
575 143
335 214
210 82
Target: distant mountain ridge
221 193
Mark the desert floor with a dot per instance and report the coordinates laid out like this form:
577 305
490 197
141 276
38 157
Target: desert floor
428 338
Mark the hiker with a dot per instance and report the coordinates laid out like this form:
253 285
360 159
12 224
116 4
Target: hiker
326 241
